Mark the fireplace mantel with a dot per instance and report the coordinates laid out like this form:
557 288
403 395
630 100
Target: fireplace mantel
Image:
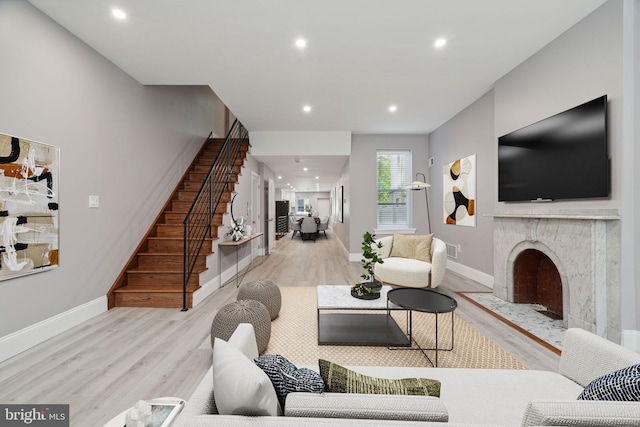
585 247
588 215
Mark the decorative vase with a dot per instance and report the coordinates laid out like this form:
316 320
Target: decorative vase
236 236
374 286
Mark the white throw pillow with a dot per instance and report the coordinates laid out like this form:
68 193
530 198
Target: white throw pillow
241 387
244 339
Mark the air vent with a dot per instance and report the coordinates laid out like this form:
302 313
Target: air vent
452 251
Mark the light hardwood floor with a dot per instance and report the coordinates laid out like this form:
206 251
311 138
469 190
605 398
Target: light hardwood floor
103 366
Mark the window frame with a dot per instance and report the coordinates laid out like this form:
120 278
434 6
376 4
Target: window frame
405 225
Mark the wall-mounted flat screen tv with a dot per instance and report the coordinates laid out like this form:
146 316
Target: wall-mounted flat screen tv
562 157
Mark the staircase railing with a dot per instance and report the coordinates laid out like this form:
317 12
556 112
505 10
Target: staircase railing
197 223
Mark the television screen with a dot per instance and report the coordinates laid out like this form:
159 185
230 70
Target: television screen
562 157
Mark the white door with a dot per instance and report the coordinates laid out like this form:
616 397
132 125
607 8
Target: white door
324 208
272 214
254 213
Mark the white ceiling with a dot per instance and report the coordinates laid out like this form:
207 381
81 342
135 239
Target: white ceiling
361 55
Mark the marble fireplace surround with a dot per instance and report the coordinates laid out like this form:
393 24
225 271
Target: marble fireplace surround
584 245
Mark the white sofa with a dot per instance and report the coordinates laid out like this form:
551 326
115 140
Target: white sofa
411 272
468 397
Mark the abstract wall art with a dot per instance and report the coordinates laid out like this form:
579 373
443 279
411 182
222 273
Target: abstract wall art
29 174
459 191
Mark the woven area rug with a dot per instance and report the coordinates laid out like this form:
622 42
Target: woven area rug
294 334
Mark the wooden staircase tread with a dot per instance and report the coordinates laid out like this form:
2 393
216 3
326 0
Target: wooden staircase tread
126 289
169 253
138 270
172 238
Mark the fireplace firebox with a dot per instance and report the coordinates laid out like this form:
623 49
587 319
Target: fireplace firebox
536 281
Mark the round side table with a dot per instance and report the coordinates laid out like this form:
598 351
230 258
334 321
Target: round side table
426 301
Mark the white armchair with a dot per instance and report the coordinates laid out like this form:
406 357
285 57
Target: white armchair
406 265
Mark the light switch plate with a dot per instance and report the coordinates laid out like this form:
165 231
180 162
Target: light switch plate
94 201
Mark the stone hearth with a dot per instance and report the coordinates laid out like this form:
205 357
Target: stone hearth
583 245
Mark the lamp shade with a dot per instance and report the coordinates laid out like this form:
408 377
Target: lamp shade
417 185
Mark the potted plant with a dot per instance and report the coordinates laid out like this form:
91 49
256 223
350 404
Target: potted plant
369 287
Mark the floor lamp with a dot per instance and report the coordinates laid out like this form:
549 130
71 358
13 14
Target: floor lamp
422 185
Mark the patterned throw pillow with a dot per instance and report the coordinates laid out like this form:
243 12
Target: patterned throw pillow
338 379
621 385
287 378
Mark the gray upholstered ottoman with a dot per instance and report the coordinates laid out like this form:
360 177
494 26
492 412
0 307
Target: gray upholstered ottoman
244 311
264 291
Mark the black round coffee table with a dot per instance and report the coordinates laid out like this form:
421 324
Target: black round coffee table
426 301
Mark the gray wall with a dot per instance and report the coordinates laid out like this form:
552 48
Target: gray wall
585 62
120 140
470 132
582 64
597 56
362 197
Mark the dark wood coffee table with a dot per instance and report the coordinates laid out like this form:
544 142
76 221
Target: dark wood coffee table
426 301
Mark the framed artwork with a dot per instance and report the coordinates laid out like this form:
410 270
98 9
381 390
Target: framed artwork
459 191
333 202
29 175
340 203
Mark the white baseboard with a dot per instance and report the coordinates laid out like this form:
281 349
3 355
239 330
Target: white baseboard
19 341
631 339
471 273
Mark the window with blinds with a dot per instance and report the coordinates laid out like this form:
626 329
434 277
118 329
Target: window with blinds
394 171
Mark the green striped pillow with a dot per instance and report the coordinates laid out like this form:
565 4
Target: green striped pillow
338 379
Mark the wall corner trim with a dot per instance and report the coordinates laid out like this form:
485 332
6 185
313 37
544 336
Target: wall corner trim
19 341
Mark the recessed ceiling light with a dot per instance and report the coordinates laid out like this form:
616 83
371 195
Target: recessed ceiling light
301 43
305 169
440 42
393 108
306 108
118 13
279 176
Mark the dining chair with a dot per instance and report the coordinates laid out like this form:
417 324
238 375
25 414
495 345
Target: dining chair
308 228
295 226
324 226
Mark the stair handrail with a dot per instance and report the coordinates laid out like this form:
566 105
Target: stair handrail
197 222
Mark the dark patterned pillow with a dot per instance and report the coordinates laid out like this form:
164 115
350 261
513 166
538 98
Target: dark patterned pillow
338 379
287 378
621 385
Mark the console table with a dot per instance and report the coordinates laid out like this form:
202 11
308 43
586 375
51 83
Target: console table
236 244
